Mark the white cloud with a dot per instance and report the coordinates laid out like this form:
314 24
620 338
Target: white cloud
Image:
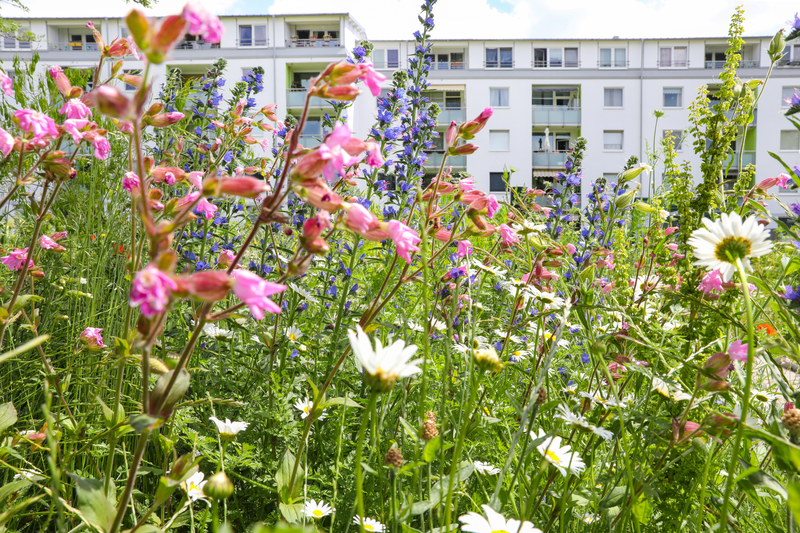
94 9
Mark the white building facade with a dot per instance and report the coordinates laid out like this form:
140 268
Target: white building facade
545 93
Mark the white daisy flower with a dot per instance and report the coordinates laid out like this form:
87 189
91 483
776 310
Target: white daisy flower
548 301
607 402
493 523
193 487
293 333
302 292
763 396
369 524
84 281
676 394
486 468
316 509
562 457
304 406
589 518
579 421
212 330
28 474
722 242
228 429
383 366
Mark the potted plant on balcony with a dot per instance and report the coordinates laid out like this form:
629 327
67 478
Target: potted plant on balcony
327 37
294 40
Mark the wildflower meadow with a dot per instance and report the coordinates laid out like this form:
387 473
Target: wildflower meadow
196 336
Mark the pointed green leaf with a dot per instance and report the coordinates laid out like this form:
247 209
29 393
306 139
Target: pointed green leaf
94 503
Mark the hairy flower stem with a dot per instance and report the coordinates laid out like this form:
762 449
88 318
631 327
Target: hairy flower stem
365 417
467 414
122 505
748 382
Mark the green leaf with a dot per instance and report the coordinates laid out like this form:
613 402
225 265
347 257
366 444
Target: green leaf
642 509
292 512
9 514
8 416
615 497
429 452
177 391
342 401
778 158
94 503
22 301
15 486
410 429
420 507
19 350
284 476
142 422
759 478
794 498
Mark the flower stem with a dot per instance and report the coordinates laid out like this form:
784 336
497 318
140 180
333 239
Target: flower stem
460 446
373 399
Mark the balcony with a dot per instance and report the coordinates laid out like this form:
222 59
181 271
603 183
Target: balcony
297 98
195 45
312 43
447 65
71 46
673 63
450 114
555 63
613 63
435 160
503 63
549 159
556 116
748 158
744 63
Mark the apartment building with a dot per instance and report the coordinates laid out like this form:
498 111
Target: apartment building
545 93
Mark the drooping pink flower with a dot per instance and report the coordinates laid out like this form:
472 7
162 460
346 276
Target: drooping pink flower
466 185
372 78
74 108
254 292
571 249
92 339
464 248
405 239
38 124
196 179
206 208
6 142
226 257
711 282
669 231
359 218
6 84
738 351
202 22
782 180
508 235
49 244
101 147
16 259
60 79
151 290
57 236
131 183
492 205
188 199
374 157
332 151
73 126
169 178
134 50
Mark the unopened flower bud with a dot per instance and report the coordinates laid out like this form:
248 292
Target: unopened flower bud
219 487
777 46
111 101
487 359
209 286
60 79
164 119
451 136
243 186
464 149
469 129
394 458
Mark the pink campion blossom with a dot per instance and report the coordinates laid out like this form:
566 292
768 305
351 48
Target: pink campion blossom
738 351
492 205
6 84
782 180
131 183
405 239
333 151
169 178
74 108
125 126
711 282
669 231
372 78
49 244
464 248
6 142
16 259
188 199
571 249
226 257
206 208
101 147
39 124
673 247
73 126
135 52
253 291
508 235
151 290
466 185
196 179
359 218
374 157
60 79
202 22
57 236
92 339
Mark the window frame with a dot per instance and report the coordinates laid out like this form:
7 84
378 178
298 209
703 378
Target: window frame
508 97
672 61
664 101
621 145
253 39
548 60
492 177
498 63
508 141
622 98
780 141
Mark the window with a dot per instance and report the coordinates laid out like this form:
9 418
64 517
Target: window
673 97
392 58
128 86
791 55
612 140
613 58
673 56
567 97
10 41
790 140
571 57
558 57
677 138
539 57
499 141
786 96
610 176
498 97
612 97
496 182
250 35
499 58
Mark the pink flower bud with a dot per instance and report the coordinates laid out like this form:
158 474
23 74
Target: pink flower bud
244 186
111 101
464 149
451 135
164 119
208 286
469 129
60 79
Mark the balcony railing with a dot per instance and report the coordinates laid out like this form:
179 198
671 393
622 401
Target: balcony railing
556 116
744 63
498 64
195 45
312 43
555 64
447 65
297 98
748 158
386 64
450 114
71 46
435 160
674 63
788 63
549 159
613 64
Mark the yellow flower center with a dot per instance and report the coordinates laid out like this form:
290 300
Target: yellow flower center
553 457
369 527
306 409
292 337
732 248
193 487
499 531
317 513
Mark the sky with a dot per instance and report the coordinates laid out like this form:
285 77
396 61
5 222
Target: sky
484 19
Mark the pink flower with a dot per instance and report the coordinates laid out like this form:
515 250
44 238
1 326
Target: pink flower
508 235
133 48
226 257
73 127
359 218
6 142
405 239
332 150
151 290
670 231
253 291
374 157
571 249
673 247
465 185
493 205
6 84
131 183
464 248
782 180
738 351
39 124
92 339
188 199
74 108
372 78
169 178
101 147
202 22
711 282
196 179
16 259
206 208
49 244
